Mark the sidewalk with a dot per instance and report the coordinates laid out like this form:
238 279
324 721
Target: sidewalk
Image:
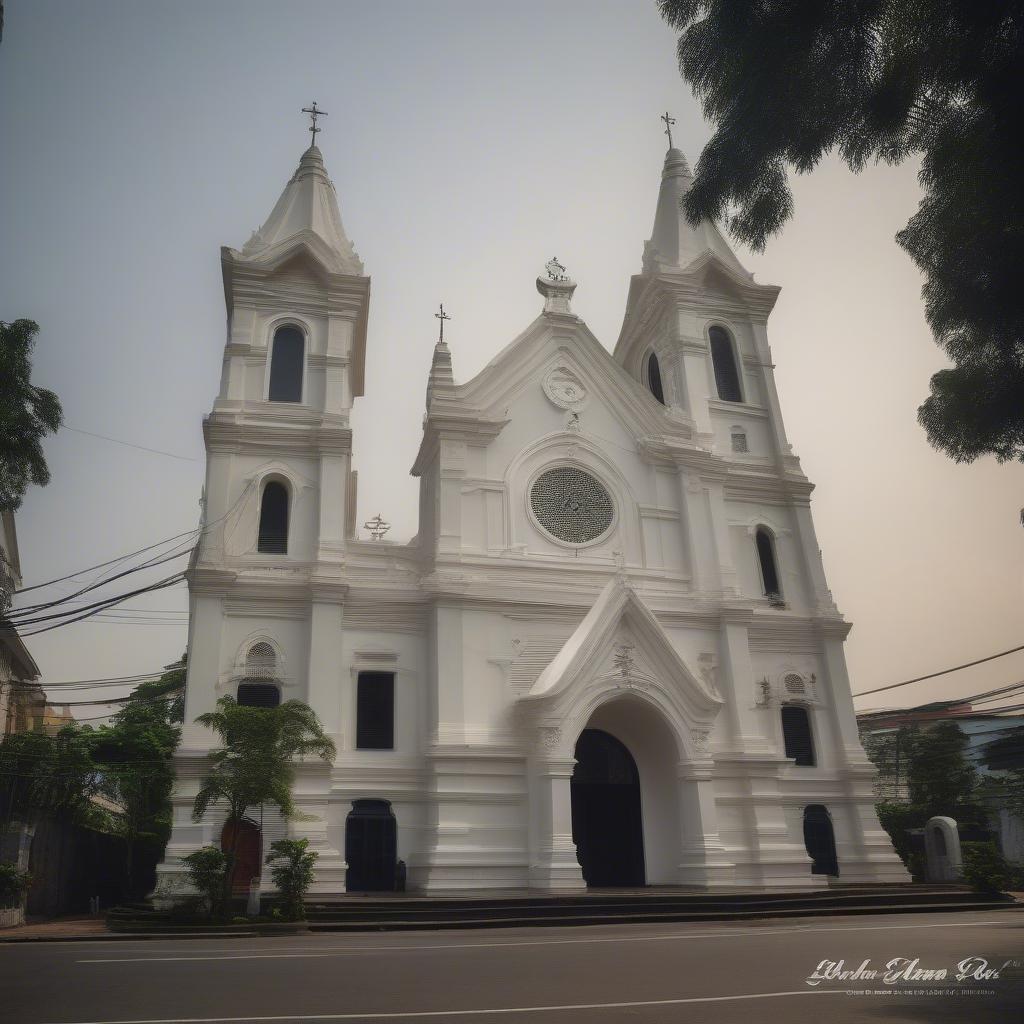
60 928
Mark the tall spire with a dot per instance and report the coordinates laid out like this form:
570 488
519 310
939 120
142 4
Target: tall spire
306 212
675 243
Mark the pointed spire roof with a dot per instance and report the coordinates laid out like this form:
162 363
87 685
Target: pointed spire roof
307 212
675 243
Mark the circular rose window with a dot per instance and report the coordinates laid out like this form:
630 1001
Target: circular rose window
572 505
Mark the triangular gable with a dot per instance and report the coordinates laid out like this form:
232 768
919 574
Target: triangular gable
521 360
586 648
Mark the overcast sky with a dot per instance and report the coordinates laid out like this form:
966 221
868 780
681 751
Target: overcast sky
469 142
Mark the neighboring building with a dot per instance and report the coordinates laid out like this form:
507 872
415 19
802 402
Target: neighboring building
880 731
609 656
22 700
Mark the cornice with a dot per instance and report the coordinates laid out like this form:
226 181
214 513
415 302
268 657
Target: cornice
454 423
307 435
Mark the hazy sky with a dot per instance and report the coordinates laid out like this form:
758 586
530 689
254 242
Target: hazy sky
469 142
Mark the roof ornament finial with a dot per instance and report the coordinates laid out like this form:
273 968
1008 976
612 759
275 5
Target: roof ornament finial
442 316
555 270
314 113
669 121
377 527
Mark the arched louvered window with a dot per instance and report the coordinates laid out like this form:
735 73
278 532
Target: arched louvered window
258 695
273 535
795 685
796 733
286 365
654 378
261 661
723 357
769 571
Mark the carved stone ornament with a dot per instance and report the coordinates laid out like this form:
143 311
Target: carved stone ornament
550 738
700 740
709 672
565 389
624 659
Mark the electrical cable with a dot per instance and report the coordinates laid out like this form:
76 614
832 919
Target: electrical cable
945 671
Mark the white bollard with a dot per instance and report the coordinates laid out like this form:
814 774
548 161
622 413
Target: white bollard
252 908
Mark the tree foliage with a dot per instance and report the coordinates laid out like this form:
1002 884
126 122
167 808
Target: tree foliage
940 779
787 82
256 763
134 754
27 415
291 867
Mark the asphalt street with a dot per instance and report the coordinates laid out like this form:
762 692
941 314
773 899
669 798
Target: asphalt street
651 974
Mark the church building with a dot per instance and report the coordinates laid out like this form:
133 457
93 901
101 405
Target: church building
609 657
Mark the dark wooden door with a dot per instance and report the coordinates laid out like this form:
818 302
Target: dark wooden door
371 847
248 844
607 824
820 840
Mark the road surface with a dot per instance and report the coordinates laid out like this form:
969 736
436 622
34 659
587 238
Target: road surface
745 972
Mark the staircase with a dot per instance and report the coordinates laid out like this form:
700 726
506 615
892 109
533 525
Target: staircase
387 912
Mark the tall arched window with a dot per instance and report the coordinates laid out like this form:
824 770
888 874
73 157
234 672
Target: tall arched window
796 734
286 365
273 535
723 357
769 571
654 378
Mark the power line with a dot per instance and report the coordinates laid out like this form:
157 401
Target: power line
196 530
945 671
170 581
129 444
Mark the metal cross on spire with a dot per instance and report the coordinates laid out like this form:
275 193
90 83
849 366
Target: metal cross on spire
314 113
669 121
442 316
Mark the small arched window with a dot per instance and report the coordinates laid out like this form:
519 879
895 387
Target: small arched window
796 734
654 378
769 571
273 535
723 358
260 661
738 437
258 695
286 365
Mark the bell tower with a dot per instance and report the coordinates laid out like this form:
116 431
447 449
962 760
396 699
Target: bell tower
297 303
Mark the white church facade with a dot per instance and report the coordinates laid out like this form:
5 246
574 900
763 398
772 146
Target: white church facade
608 658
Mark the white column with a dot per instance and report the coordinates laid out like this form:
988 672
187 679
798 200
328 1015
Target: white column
323 683
553 863
703 859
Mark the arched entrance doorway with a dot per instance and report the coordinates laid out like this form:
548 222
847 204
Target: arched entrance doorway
607 825
244 837
371 847
820 840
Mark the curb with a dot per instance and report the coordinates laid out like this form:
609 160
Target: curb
252 933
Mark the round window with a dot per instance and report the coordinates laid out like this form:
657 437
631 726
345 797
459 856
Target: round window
572 505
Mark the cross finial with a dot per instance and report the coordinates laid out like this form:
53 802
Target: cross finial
669 121
314 113
442 316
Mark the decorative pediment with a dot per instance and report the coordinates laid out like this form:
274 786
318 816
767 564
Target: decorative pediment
620 645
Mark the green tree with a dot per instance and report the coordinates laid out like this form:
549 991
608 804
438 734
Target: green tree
291 867
941 780
45 776
786 83
256 764
135 754
27 415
